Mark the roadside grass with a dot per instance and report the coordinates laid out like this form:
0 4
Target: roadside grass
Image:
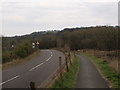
19 61
69 78
112 77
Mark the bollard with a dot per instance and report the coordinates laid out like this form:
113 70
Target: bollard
66 64
32 86
60 65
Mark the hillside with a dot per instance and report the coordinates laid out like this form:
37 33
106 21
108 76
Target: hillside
98 38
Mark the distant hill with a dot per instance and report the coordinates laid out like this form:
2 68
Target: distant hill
8 41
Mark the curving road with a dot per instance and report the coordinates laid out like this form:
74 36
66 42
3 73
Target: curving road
36 70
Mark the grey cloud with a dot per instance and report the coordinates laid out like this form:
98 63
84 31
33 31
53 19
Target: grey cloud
119 13
26 17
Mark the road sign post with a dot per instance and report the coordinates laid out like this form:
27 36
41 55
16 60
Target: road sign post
37 43
33 45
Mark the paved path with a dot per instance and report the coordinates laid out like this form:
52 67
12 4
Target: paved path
88 76
36 70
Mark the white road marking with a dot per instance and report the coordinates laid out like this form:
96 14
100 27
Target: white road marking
36 67
29 70
51 53
42 63
10 80
48 59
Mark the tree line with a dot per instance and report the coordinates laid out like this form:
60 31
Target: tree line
106 38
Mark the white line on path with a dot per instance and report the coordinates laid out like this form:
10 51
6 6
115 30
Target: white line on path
36 66
10 79
42 63
29 70
48 59
50 56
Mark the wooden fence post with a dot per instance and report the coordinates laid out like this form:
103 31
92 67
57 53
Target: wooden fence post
32 86
60 65
69 56
66 64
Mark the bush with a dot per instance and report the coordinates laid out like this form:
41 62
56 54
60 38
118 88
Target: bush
21 50
24 49
6 56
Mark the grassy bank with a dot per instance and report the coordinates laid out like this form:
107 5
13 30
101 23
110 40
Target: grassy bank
110 75
19 61
69 78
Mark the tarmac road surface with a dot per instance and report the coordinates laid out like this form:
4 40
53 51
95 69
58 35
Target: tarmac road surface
36 70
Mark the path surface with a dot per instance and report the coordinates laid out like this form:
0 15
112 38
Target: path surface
36 70
88 76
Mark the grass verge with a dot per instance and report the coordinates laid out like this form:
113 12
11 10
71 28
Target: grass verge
19 61
112 77
69 78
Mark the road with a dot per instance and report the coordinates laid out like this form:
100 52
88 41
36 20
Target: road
36 70
88 75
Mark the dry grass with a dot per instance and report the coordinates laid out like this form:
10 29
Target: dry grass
19 61
113 62
106 71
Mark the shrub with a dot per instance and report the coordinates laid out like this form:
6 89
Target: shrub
24 49
6 56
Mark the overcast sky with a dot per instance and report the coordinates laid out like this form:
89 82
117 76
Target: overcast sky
21 17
